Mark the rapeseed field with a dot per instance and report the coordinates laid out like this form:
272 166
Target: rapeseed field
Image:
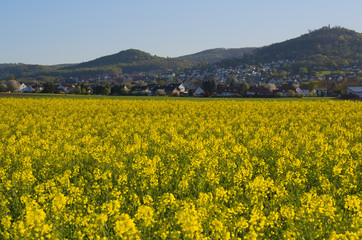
145 169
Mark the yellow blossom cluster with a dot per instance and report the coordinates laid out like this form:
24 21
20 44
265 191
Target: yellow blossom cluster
167 169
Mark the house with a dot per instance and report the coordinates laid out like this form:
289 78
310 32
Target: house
28 89
153 87
280 81
145 89
194 86
228 91
22 86
182 88
285 88
258 91
355 90
60 89
72 89
273 81
266 68
37 87
321 92
174 88
119 89
186 85
302 90
340 78
199 91
168 75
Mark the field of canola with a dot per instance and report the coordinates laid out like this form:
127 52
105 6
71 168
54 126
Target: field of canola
145 169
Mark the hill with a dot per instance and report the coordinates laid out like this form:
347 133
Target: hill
20 69
215 55
329 42
133 60
123 57
127 61
322 47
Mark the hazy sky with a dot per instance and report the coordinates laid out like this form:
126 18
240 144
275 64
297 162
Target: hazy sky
71 31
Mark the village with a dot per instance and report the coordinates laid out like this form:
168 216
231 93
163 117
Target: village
266 80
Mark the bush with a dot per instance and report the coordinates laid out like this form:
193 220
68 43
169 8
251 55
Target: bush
311 94
3 87
124 92
279 94
141 93
349 96
160 92
290 93
144 93
191 93
13 85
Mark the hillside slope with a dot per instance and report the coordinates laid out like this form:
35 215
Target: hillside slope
133 60
217 54
329 42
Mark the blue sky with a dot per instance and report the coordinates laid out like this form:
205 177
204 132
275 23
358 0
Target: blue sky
71 31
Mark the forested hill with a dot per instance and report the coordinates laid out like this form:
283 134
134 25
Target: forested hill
336 43
217 54
322 48
20 69
133 60
123 57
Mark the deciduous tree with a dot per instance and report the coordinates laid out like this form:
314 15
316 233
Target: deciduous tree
13 85
3 87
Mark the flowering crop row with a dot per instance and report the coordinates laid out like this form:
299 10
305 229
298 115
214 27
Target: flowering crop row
132 169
